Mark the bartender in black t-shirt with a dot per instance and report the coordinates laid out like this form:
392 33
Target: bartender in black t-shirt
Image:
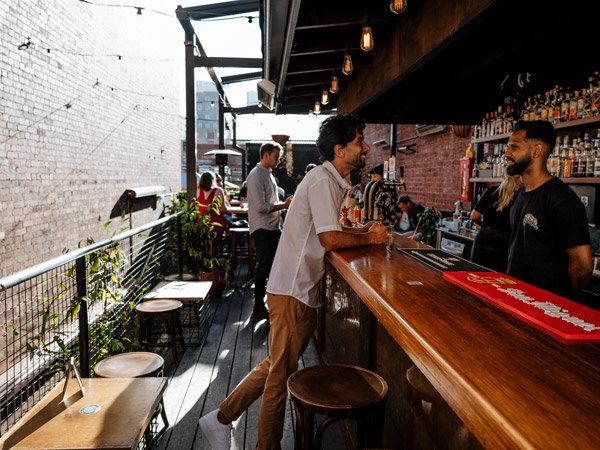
549 244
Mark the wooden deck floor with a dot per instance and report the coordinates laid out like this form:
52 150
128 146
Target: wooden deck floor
235 342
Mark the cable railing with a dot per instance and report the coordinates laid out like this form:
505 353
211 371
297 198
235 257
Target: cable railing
80 304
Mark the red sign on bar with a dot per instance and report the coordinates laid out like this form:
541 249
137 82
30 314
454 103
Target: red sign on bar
569 320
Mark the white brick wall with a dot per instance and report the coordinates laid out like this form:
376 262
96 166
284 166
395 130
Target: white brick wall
61 169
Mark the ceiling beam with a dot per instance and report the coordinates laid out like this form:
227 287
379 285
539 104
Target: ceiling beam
308 42
217 10
241 77
315 89
249 110
207 61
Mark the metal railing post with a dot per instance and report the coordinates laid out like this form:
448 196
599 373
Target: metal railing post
179 248
84 335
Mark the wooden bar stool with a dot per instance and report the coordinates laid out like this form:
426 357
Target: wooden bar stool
168 312
135 365
241 248
339 392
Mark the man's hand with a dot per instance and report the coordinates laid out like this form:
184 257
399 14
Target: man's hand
378 233
287 202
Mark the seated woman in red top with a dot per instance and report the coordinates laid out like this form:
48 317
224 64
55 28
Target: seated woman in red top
207 190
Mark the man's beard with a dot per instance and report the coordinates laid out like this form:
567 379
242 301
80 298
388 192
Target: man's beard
519 166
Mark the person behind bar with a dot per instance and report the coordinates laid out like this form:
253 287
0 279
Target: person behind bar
411 211
376 173
264 218
492 212
549 243
311 229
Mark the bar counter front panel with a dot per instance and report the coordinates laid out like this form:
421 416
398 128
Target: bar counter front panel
512 385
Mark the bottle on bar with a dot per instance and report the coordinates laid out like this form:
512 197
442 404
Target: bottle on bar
573 106
597 158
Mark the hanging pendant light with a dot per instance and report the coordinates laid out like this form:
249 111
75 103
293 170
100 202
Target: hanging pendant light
398 6
324 96
366 38
317 109
335 87
347 66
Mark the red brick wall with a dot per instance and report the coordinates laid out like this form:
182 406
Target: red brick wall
431 174
63 167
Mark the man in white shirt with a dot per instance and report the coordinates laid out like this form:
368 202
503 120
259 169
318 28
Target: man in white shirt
311 228
264 218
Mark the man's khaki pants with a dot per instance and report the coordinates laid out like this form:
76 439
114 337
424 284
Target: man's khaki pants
292 324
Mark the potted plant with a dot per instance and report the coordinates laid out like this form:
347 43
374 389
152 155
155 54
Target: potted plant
200 241
427 227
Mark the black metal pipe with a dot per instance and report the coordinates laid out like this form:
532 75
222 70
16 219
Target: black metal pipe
179 248
84 332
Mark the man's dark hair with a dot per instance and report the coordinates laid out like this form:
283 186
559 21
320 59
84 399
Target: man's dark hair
405 199
538 130
207 180
268 147
339 129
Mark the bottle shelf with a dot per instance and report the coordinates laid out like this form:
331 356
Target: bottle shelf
557 126
572 180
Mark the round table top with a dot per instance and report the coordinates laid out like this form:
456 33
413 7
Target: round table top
336 386
158 306
130 365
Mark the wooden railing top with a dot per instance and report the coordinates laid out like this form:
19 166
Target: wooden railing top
513 385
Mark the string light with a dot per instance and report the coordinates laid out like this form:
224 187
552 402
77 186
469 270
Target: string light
366 37
335 87
29 44
347 66
324 96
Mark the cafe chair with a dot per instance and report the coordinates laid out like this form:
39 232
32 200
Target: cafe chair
154 313
338 392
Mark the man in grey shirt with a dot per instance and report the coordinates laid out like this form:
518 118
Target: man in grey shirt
264 218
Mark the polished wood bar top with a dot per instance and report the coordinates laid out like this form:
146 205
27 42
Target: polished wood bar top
513 385
126 407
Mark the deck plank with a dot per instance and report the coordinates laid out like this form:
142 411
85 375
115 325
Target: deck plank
234 344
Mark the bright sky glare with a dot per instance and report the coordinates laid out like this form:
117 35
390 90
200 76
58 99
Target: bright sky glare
238 38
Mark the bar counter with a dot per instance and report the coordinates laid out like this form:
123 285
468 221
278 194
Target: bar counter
511 384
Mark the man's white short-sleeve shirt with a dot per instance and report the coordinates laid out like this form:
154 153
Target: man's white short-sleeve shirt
299 261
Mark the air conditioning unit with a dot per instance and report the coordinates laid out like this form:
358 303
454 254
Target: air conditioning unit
266 93
425 130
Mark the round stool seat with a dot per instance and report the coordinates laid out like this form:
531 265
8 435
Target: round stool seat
158 306
184 277
130 365
336 387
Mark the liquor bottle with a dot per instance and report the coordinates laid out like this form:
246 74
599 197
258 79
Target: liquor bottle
564 107
508 124
525 111
493 123
581 101
554 160
563 163
499 126
537 108
595 103
573 155
484 125
573 106
544 107
590 164
583 158
557 102
569 163
597 158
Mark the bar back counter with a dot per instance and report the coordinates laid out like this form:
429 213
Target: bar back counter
461 372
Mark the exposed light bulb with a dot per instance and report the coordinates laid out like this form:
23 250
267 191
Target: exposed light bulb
398 6
366 38
347 66
317 109
335 87
324 97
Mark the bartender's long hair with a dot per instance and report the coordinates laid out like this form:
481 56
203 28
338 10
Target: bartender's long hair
507 189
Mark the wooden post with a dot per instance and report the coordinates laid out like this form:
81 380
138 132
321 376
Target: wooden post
190 121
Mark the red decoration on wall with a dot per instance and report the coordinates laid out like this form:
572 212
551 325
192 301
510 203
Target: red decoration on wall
466 166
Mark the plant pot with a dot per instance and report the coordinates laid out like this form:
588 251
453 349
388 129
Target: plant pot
218 276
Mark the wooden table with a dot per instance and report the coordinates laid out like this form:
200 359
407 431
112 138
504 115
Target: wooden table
179 290
511 384
126 407
237 210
